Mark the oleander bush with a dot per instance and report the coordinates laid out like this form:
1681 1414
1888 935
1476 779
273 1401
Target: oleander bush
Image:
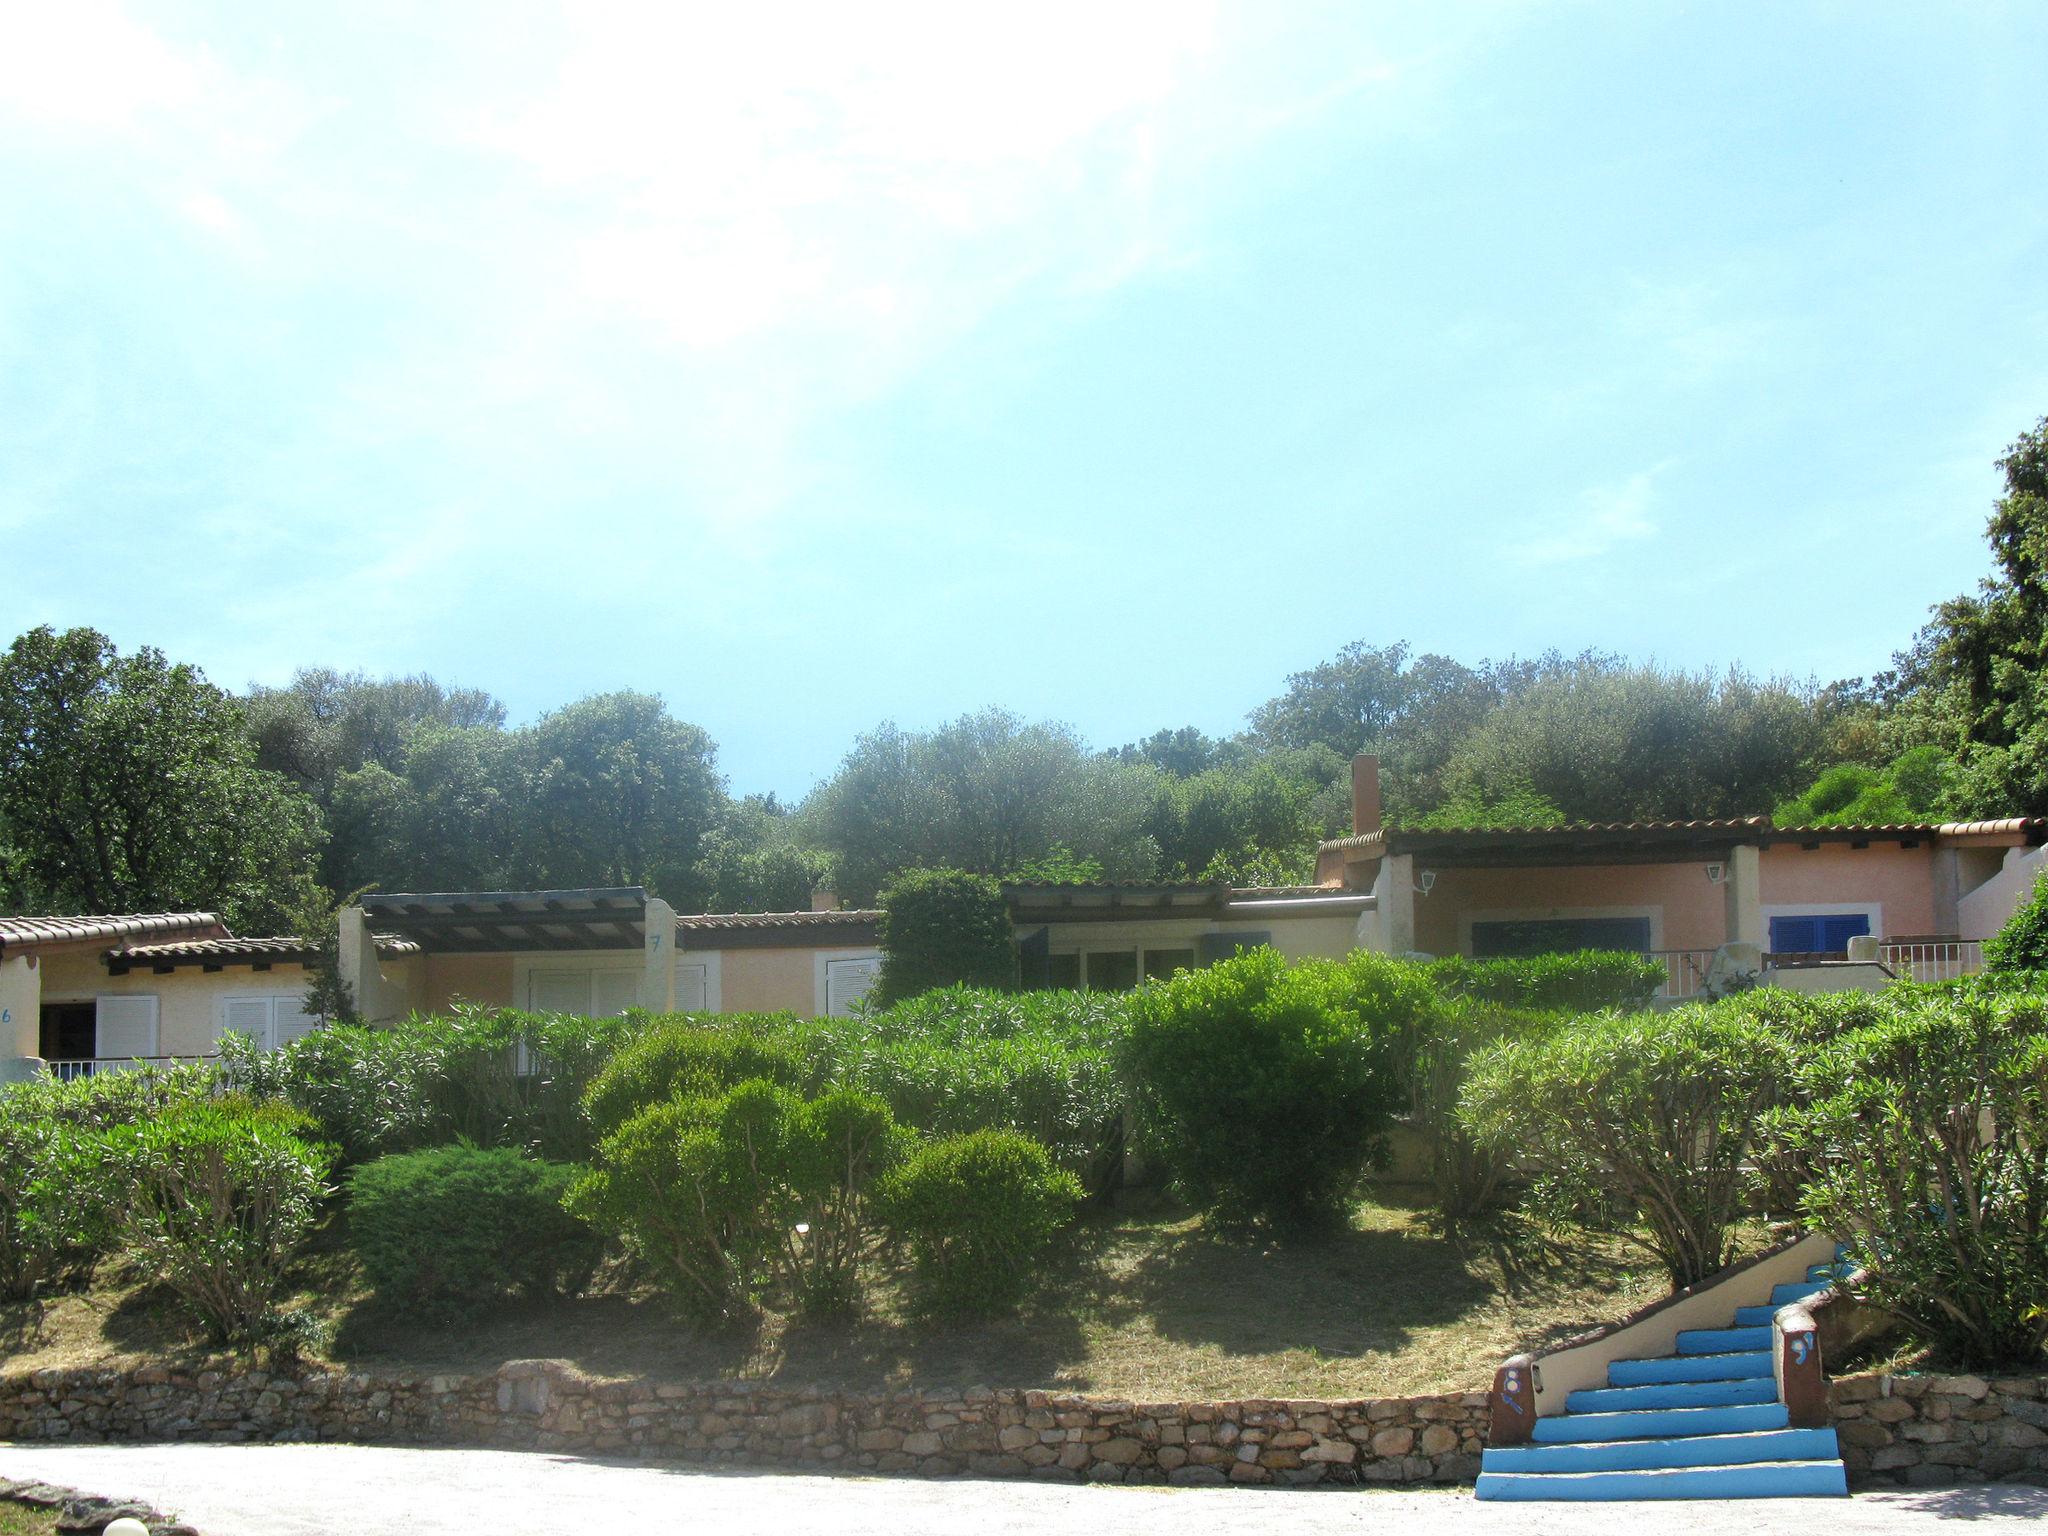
1587 981
215 1195
2022 944
1266 1089
1636 1126
976 1213
1467 1176
58 1205
1923 1140
446 1231
962 1059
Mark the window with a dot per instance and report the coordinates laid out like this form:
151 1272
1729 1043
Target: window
1162 963
592 993
1819 933
125 1028
1112 970
693 986
1559 935
1063 971
1212 947
272 1021
848 981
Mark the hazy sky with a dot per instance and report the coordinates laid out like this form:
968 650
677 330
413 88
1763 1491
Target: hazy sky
815 365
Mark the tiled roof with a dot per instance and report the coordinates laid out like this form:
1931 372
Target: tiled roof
2033 828
696 922
283 948
26 933
1284 892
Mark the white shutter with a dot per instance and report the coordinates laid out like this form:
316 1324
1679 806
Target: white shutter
693 991
127 1028
559 991
247 1016
614 992
290 1021
848 981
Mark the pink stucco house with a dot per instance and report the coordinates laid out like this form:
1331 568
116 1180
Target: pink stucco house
1928 894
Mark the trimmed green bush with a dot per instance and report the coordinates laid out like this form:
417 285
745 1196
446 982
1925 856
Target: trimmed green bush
445 1231
1924 1138
724 1199
2022 944
1264 1089
1583 982
976 1212
1635 1125
216 1197
943 928
694 1056
1467 1177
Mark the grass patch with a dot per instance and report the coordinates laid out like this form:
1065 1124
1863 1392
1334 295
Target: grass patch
21 1520
1142 1302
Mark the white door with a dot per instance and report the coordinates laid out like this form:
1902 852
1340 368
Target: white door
693 986
559 991
247 1016
126 1028
613 992
272 1021
848 981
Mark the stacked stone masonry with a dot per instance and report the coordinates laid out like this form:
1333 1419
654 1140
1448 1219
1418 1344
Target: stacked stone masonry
1924 1430
548 1405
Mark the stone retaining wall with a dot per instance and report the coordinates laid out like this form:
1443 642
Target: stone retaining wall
1922 1430
548 1405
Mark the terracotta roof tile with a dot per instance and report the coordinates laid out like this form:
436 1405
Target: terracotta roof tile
26 933
714 921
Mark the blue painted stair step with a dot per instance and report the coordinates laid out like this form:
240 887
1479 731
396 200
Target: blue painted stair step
1722 1341
1660 1423
1740 1367
1689 1451
1797 1290
1672 1394
1754 1480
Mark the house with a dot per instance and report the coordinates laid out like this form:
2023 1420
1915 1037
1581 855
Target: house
1929 894
80 990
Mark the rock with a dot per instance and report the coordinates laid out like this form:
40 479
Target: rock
1393 1442
1119 1452
1438 1441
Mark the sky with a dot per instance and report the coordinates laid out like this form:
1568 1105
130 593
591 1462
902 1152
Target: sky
820 365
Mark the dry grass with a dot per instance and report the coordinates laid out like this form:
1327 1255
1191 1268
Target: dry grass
1141 1303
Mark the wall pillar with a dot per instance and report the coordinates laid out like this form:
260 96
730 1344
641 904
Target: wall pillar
377 1001
1743 891
658 982
21 1006
1394 900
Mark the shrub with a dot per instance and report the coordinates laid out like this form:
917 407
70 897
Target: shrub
216 1196
1585 982
1634 1125
447 1230
941 928
2022 944
365 1089
963 1059
1265 1089
57 1204
1926 1145
976 1211
689 1056
711 1194
1467 1177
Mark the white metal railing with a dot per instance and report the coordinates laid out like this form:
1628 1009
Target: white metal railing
1933 959
1685 971
69 1070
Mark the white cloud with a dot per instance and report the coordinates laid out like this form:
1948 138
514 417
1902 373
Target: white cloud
87 64
1606 516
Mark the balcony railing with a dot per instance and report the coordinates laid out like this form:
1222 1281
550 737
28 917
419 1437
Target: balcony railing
1933 959
69 1070
1685 971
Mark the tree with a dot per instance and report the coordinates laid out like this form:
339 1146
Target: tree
944 928
130 784
620 793
753 862
1912 788
448 818
987 793
1981 660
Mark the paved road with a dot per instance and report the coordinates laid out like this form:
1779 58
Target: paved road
329 1490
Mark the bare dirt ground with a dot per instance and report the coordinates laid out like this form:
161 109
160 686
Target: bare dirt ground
368 1491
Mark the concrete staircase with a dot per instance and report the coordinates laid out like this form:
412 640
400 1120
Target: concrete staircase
1704 1423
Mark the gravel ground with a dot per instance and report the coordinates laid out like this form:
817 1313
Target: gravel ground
336 1490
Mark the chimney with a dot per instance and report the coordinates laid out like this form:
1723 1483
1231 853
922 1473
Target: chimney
1365 794
824 899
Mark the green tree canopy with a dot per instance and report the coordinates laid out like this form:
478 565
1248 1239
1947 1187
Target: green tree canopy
129 784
